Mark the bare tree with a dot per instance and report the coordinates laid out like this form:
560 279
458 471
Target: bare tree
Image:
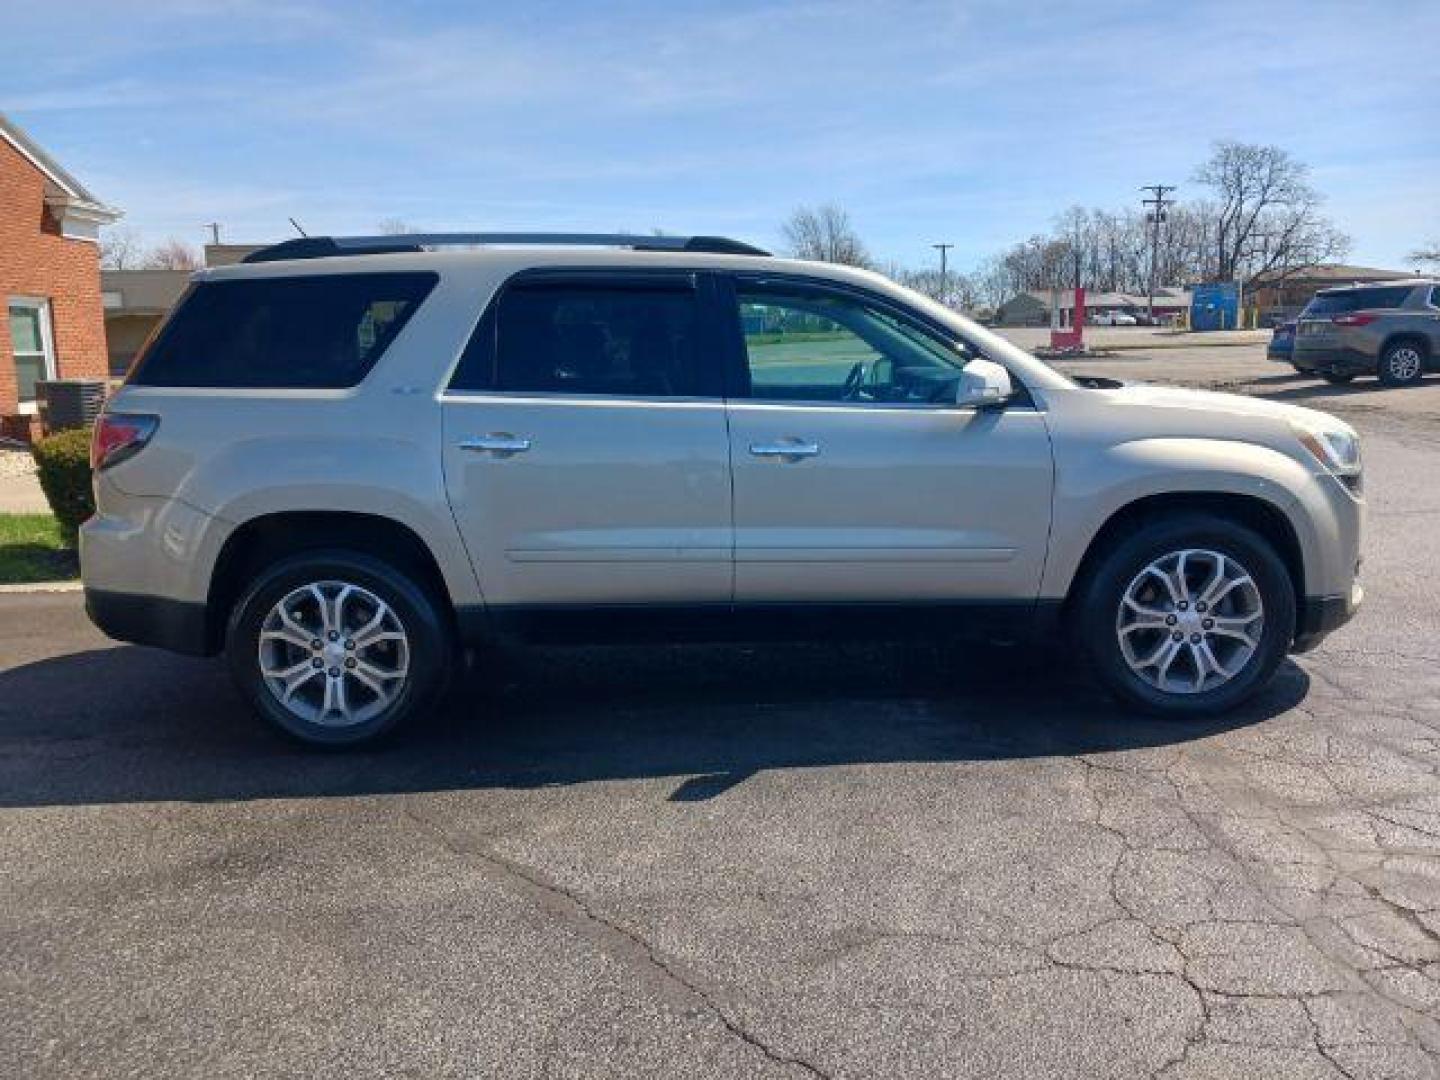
1077 233
396 227
992 283
120 249
825 234
1268 218
173 255
1427 255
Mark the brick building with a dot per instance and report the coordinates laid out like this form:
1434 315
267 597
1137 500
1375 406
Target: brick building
1280 296
51 321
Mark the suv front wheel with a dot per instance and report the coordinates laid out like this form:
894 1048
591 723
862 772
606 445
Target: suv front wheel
337 648
1188 615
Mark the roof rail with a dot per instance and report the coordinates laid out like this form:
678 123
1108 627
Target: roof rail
319 247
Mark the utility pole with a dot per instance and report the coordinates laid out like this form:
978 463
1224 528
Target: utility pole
214 228
944 276
1157 217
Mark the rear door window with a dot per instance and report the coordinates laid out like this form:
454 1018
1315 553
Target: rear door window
612 337
313 332
1338 303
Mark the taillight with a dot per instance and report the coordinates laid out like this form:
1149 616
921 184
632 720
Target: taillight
119 436
1360 318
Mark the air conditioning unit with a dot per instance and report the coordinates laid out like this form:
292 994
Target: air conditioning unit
69 403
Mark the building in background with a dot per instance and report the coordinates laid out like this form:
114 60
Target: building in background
137 300
52 324
1277 297
1033 307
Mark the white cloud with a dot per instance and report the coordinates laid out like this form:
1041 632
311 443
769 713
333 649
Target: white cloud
980 120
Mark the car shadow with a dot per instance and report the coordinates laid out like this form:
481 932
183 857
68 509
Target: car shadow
134 725
1298 387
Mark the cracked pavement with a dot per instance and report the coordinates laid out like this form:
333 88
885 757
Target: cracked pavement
742 861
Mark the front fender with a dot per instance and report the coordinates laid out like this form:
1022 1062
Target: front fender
1089 493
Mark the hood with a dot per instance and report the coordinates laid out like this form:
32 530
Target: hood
1230 404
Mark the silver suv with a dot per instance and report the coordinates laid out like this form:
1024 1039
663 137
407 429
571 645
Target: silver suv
1390 330
350 459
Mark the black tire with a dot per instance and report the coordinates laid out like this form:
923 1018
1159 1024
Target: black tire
1336 379
1402 363
1096 615
428 642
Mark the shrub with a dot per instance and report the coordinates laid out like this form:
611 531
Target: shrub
63 461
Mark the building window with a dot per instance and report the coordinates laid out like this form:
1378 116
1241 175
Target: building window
33 347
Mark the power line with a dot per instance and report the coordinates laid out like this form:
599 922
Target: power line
1158 203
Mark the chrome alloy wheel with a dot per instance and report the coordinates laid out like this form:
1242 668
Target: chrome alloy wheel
1404 362
1190 621
333 653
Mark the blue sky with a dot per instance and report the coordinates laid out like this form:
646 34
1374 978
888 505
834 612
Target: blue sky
969 122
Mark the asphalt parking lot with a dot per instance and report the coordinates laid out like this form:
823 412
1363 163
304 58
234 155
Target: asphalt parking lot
747 861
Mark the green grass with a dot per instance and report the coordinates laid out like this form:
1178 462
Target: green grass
792 337
31 550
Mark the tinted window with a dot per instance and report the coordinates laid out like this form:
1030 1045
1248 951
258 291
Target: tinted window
640 340
1435 296
319 331
1335 303
806 345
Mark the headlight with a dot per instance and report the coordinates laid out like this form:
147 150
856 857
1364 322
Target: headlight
1337 451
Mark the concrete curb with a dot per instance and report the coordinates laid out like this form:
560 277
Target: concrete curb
41 587
1151 346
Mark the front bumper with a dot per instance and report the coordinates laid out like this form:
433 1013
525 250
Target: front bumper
1320 615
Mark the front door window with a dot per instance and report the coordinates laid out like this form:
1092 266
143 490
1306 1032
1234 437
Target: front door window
806 345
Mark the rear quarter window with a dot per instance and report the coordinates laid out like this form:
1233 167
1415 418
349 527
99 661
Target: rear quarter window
312 332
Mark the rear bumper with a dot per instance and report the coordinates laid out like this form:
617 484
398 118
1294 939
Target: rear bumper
1320 615
1338 361
150 620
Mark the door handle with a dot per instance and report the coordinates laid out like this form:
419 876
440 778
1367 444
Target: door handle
786 448
501 443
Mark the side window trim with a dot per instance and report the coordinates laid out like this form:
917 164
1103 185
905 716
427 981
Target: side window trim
480 349
737 366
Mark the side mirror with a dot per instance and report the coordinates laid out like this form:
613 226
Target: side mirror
983 384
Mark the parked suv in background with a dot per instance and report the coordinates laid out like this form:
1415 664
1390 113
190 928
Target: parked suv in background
1390 330
346 460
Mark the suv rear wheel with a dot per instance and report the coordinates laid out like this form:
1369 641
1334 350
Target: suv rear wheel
1402 363
337 648
1187 616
